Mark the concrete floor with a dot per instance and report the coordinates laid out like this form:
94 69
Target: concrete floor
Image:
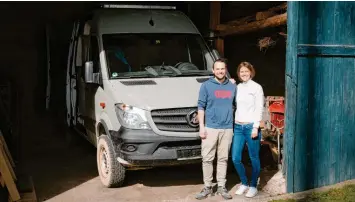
65 171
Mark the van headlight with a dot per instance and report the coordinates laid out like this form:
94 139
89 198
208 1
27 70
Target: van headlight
131 117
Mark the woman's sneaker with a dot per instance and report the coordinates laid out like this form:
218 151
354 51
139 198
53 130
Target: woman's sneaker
251 192
241 190
206 191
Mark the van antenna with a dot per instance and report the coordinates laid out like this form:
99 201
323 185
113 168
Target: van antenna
151 22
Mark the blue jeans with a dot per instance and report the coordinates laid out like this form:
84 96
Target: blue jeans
242 135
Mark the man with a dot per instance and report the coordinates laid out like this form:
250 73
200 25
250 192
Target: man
215 114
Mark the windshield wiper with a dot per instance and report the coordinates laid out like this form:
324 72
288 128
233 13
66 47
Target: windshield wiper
175 70
151 71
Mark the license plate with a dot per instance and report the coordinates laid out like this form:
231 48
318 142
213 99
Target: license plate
188 153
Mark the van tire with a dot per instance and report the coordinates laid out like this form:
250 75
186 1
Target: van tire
111 172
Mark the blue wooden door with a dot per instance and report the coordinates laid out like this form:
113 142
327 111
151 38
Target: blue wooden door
320 100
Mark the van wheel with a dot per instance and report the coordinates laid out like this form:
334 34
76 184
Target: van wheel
112 173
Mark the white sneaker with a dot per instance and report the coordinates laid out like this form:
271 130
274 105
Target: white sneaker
251 192
242 188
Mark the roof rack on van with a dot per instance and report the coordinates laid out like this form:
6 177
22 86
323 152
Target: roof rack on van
139 6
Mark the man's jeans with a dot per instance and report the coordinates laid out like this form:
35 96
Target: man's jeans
220 140
242 135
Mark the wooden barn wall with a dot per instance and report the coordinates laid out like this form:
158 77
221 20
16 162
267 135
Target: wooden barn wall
320 133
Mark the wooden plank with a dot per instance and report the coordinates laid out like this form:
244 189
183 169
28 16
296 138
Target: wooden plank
344 32
247 19
8 163
241 21
326 101
7 151
2 181
6 157
302 126
274 21
291 95
344 168
9 182
344 26
264 15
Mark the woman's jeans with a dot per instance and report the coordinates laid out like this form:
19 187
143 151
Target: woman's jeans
242 135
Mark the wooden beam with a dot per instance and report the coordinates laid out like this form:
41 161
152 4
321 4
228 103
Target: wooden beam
274 21
247 19
241 21
264 15
215 18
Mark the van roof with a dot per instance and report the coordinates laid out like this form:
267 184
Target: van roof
110 21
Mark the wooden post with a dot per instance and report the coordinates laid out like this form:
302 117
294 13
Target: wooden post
7 177
215 18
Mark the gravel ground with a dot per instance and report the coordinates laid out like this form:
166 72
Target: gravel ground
67 172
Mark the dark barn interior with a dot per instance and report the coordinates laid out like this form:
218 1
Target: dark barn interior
34 35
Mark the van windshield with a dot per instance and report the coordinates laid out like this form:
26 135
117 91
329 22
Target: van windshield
155 55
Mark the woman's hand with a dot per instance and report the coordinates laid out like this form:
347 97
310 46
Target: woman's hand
254 133
232 80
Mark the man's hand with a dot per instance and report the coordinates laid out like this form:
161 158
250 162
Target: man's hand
254 133
232 80
203 133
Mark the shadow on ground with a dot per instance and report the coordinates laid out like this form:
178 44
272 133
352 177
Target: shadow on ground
58 163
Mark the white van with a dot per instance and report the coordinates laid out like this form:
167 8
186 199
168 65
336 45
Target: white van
133 81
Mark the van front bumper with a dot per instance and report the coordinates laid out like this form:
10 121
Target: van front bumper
144 148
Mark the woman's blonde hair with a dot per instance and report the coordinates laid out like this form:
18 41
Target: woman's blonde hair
247 65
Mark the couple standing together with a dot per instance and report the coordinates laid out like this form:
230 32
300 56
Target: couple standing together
222 128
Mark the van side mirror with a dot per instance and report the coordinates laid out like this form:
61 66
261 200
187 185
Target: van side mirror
216 54
89 72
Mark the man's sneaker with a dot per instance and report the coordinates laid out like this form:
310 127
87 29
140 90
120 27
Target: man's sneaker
224 193
252 192
206 191
241 190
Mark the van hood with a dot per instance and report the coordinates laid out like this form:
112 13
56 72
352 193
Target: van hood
158 93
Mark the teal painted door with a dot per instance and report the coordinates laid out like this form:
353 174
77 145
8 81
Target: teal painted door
320 100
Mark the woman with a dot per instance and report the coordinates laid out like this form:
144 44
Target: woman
250 103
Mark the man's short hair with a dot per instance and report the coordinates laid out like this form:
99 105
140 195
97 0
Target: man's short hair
224 60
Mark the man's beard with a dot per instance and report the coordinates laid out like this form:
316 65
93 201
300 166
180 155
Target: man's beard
220 79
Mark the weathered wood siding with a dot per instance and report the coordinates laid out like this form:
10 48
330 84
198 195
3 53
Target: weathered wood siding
320 84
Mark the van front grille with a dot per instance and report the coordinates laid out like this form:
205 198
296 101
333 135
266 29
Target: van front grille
174 120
